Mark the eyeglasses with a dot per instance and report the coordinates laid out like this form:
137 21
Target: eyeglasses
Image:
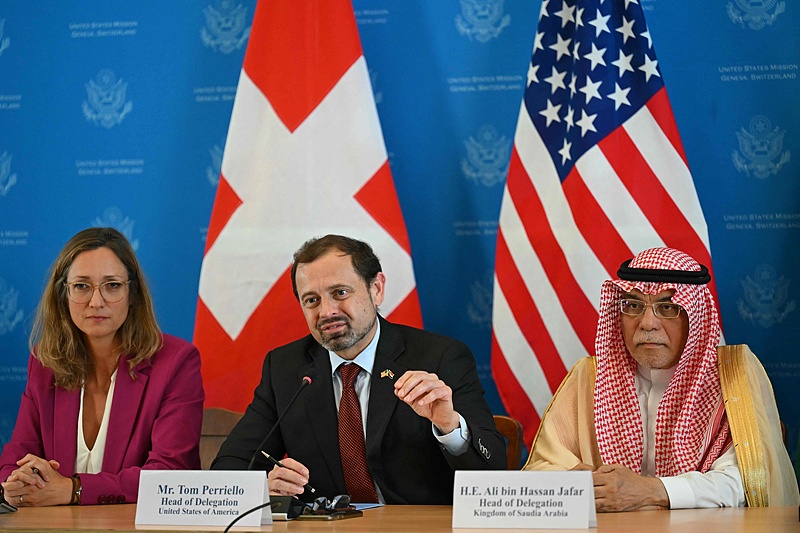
81 292
323 505
632 307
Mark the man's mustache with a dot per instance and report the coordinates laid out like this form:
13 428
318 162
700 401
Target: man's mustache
326 321
647 339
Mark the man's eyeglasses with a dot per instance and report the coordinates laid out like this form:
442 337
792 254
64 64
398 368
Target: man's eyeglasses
323 505
81 292
631 307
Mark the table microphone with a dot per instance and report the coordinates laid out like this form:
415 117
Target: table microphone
307 379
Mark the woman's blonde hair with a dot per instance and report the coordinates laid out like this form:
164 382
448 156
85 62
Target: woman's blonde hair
55 339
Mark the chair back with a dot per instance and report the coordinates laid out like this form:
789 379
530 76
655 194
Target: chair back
217 425
511 429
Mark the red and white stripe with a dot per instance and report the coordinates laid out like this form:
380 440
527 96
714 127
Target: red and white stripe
558 242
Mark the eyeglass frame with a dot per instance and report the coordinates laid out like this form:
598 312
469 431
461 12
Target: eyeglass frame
322 505
95 288
654 305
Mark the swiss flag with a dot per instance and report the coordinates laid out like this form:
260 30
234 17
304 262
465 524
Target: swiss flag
304 157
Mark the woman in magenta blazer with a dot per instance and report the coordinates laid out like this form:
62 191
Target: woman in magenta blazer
108 394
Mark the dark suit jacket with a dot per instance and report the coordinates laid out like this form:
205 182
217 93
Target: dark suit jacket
405 459
154 422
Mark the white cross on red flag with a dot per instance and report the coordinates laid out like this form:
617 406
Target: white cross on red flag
598 173
304 157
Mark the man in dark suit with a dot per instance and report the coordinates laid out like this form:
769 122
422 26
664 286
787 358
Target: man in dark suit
418 393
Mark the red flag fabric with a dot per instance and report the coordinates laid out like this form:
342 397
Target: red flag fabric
304 157
597 174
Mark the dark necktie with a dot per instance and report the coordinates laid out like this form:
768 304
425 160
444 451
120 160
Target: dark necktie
351 440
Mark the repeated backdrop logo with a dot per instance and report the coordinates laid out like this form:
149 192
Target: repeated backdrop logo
755 14
376 91
10 314
114 218
482 20
5 42
760 149
106 104
766 297
8 101
226 28
751 188
479 308
226 32
214 170
7 178
488 154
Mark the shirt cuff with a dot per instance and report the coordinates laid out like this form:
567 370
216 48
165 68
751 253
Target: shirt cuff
679 491
457 441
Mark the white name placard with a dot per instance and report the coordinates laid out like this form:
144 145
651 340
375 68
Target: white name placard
528 500
202 497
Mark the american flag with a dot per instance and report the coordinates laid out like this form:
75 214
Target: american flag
597 174
304 157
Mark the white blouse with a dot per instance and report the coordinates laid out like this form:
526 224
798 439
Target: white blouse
91 461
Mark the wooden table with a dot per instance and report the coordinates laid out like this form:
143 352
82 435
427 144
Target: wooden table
423 519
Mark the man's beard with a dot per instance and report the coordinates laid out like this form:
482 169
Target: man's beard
347 339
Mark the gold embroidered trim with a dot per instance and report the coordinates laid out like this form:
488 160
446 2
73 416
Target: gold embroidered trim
593 366
742 419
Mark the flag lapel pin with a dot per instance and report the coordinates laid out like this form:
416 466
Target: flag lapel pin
387 374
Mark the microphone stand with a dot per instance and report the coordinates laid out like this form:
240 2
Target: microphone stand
303 385
306 381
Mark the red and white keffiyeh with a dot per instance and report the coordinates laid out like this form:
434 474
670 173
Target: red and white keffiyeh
691 427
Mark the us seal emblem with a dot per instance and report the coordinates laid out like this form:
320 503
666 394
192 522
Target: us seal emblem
225 29
760 149
376 92
5 42
765 298
488 156
482 20
113 217
105 104
755 13
479 309
9 315
214 170
7 179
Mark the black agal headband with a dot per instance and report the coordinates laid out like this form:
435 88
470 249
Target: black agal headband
657 275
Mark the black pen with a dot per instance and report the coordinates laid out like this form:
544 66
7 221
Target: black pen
279 464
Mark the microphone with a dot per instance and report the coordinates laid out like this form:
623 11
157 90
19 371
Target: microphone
306 381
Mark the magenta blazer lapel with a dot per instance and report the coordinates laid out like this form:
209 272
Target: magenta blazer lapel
65 429
128 395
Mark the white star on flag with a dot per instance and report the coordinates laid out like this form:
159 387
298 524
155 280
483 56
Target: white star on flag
556 80
596 56
620 96
623 63
585 191
551 113
600 23
649 68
